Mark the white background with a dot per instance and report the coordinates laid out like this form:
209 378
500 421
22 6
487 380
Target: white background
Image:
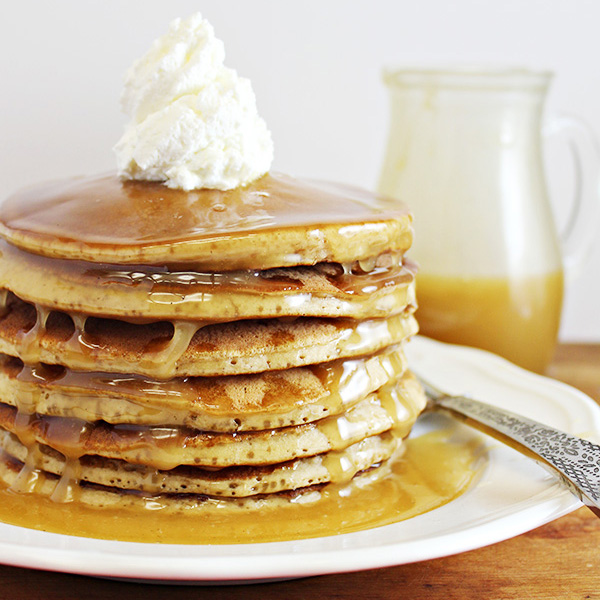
315 67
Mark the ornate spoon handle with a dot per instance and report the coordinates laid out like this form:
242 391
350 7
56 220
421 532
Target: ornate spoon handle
574 460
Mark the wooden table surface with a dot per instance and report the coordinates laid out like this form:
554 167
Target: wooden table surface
556 561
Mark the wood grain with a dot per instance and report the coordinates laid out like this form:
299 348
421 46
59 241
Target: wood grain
556 561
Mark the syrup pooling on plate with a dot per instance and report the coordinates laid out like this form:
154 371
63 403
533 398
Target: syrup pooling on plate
434 469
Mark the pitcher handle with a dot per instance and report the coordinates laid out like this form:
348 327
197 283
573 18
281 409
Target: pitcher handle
583 220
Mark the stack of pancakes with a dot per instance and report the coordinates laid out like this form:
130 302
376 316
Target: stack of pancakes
191 348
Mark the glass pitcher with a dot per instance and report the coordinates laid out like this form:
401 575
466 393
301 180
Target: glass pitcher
465 153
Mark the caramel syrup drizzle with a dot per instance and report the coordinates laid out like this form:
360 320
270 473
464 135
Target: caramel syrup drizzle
72 431
160 357
162 352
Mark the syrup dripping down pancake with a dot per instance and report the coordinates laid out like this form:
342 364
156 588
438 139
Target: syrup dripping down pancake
164 350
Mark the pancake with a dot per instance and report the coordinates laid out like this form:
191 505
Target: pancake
394 407
226 404
142 292
110 497
163 350
227 482
276 221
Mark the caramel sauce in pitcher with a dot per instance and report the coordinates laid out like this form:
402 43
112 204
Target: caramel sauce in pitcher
515 317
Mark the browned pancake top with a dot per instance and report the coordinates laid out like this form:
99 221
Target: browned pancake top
102 218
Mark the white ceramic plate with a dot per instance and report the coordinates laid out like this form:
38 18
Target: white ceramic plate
511 495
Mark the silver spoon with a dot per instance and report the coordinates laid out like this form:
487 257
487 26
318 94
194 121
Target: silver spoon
576 461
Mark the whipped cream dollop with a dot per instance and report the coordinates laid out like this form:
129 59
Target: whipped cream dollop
194 122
